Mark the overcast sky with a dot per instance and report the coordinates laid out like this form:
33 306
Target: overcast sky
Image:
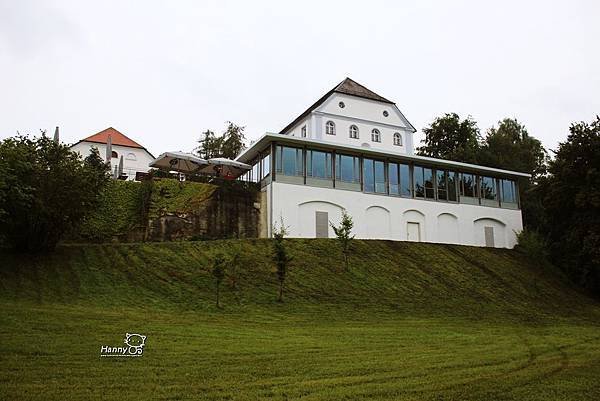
163 72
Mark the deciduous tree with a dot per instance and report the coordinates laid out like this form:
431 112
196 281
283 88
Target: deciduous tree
45 190
449 137
510 147
571 196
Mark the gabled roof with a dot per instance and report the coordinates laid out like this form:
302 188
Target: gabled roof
351 87
347 87
117 138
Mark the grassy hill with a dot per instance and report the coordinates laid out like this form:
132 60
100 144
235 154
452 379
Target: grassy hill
406 321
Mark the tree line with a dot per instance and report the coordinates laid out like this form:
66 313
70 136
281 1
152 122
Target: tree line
560 202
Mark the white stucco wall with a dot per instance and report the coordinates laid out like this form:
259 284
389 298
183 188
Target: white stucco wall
366 115
386 217
130 166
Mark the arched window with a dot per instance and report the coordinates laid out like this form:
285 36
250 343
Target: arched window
330 128
375 135
114 155
397 139
131 156
353 132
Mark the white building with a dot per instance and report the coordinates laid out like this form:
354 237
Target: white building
136 158
354 150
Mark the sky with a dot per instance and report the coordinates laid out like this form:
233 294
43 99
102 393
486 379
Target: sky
163 72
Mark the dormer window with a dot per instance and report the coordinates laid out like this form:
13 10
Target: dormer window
375 135
330 128
303 131
397 139
353 132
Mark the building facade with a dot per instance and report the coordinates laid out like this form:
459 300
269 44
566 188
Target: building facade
353 150
136 158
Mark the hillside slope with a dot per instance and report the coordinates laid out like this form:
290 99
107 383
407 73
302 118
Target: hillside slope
409 278
406 322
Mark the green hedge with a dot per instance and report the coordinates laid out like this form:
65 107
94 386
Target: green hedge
126 206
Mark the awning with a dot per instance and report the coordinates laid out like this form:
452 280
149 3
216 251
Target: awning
225 168
179 161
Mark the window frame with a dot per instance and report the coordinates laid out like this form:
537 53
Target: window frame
356 168
375 135
397 139
280 160
374 174
309 164
330 124
353 132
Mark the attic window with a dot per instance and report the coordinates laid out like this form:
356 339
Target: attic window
342 105
303 131
114 155
385 113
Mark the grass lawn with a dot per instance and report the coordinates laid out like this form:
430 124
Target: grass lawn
406 322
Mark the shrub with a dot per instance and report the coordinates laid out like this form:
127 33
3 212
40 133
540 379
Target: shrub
46 189
534 245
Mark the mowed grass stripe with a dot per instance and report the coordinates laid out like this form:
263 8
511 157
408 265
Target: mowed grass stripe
406 321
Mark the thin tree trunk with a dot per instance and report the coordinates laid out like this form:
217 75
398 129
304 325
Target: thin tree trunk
280 299
218 301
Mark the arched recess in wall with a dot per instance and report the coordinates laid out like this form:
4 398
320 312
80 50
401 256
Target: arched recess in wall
413 226
308 220
447 228
489 231
378 220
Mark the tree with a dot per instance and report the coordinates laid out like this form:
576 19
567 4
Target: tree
233 141
45 190
280 256
230 144
344 236
210 146
511 147
450 138
571 196
218 273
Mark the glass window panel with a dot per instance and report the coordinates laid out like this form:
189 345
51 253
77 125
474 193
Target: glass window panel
452 186
318 164
509 192
347 169
467 185
428 177
255 171
368 175
266 166
441 177
405 180
290 161
488 188
394 179
419 182
380 177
